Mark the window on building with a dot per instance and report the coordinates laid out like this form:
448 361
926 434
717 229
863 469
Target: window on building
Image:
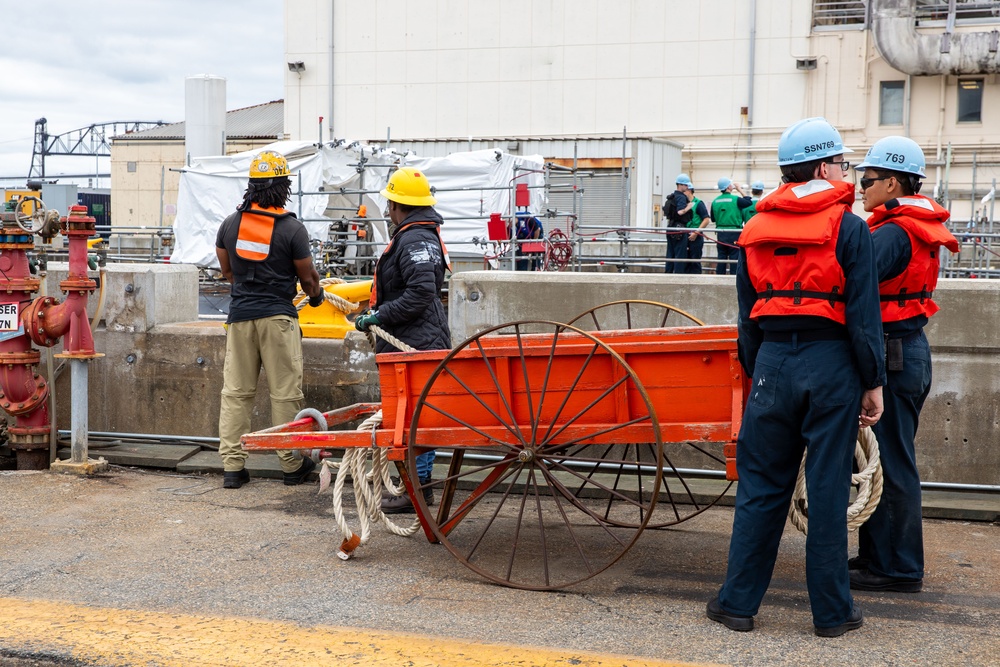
131 167
970 100
836 13
890 105
972 12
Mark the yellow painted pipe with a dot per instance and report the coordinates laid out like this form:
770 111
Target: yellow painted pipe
327 321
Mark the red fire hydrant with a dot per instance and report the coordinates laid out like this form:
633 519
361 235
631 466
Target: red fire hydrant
23 319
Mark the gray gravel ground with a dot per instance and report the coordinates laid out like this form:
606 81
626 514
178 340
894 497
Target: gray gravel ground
135 539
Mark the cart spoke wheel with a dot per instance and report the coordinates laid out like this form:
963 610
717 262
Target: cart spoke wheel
693 472
633 314
513 414
693 480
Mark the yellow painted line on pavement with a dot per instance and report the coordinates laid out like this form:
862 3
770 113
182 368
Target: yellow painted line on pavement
115 637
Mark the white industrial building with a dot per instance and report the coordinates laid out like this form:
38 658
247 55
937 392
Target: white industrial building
640 79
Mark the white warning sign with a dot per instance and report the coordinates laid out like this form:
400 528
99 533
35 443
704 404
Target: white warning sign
8 317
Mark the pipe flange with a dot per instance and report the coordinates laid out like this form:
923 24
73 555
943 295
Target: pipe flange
28 405
28 437
20 285
29 358
83 284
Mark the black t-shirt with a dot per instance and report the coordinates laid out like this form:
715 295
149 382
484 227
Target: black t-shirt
265 288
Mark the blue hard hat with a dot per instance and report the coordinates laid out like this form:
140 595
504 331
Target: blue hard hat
725 183
757 185
895 154
683 179
808 140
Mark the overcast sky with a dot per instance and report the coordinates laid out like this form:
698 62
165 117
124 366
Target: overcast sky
77 63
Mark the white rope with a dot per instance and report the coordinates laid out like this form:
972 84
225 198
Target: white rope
337 301
368 484
868 480
368 481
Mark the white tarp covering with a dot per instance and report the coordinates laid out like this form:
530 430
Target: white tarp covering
468 187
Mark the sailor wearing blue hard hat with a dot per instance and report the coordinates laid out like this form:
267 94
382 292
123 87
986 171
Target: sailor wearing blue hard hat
810 336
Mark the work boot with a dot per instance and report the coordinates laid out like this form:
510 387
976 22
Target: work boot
402 504
732 621
235 479
857 563
854 621
866 580
300 475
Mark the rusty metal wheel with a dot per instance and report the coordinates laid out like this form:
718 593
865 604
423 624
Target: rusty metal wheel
514 411
693 472
633 314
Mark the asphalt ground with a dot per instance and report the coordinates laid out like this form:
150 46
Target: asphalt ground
136 567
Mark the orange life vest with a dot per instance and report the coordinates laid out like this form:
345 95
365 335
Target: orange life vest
909 294
373 298
253 241
791 250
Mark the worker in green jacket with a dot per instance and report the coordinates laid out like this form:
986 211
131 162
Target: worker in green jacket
728 216
756 192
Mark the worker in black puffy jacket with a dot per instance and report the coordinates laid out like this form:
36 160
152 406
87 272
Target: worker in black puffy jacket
406 291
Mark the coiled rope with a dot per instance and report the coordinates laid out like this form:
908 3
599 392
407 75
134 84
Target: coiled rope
368 469
868 479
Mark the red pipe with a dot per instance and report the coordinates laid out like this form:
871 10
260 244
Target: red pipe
23 392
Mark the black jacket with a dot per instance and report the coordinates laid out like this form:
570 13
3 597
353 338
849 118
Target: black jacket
409 278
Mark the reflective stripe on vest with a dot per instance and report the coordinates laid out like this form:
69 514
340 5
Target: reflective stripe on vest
253 241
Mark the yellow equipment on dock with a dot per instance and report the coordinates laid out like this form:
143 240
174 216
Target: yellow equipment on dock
328 320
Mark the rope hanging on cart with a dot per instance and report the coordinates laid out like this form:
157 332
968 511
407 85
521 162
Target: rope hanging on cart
367 482
868 480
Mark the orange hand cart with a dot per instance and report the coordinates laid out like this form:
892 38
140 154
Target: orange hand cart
558 442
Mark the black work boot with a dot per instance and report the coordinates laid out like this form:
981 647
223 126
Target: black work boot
402 504
235 479
397 505
300 475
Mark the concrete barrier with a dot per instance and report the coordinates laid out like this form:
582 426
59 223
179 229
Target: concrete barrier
162 372
959 423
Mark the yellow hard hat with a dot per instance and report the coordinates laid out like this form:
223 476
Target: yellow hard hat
409 186
268 164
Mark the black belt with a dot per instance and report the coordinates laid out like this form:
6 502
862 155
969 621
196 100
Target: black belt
806 336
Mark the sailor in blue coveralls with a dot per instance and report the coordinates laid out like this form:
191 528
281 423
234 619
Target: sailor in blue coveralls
811 337
908 230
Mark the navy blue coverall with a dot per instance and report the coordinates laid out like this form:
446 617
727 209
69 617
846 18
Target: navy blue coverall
892 538
677 242
809 374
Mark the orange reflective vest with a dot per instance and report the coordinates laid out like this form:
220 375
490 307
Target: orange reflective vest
791 250
909 294
253 241
373 298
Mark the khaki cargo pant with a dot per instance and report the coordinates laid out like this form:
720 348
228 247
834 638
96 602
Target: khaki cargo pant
276 344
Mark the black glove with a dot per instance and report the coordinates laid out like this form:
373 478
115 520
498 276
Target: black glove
317 301
367 320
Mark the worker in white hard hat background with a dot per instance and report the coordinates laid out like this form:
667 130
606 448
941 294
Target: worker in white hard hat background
406 290
262 250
